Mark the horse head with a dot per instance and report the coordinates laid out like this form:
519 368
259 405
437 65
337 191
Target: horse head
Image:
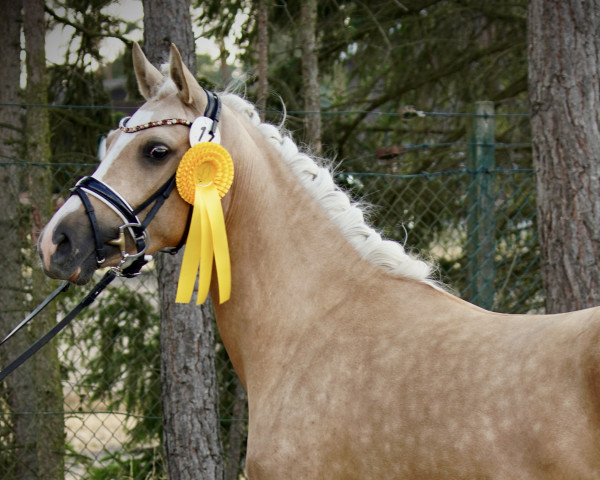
129 207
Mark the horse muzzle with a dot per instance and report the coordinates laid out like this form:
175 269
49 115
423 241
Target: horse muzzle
74 244
67 249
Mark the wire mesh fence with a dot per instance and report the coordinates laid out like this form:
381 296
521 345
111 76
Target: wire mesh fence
483 242
486 249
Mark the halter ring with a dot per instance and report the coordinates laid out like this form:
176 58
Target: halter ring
121 242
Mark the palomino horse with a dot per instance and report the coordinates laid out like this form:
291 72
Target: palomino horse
356 365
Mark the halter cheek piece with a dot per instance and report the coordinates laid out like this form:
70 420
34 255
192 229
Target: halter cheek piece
131 264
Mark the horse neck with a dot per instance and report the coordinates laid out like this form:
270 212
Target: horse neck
290 263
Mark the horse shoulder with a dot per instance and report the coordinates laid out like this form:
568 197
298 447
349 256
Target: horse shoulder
430 384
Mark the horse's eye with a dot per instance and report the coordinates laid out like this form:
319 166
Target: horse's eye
157 152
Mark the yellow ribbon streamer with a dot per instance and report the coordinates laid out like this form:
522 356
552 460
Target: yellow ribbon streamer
203 177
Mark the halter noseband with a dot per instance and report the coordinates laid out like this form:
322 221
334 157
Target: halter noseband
131 264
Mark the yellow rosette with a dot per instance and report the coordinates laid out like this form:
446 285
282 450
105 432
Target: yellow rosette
203 177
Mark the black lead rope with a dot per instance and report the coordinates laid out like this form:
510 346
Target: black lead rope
64 286
87 300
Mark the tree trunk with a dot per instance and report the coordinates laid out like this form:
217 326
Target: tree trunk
223 55
13 428
263 56
310 74
166 23
189 387
189 392
236 434
11 131
48 395
565 99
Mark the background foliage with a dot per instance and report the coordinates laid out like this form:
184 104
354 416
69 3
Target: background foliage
398 84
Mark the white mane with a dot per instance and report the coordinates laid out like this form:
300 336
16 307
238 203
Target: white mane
349 217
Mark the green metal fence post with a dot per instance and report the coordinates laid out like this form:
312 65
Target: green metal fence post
481 225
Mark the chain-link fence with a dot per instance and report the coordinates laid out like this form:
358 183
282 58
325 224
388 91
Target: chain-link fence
478 227
485 246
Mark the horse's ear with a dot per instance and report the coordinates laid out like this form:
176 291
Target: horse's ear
187 86
149 79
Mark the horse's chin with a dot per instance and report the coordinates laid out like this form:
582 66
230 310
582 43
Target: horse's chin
82 277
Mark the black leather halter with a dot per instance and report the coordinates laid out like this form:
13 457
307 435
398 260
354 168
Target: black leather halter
131 264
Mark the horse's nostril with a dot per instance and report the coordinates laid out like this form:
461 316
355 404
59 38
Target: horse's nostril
63 245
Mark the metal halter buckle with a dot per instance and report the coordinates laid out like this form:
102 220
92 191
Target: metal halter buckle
128 258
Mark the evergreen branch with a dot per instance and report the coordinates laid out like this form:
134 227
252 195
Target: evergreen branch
82 29
11 126
449 68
